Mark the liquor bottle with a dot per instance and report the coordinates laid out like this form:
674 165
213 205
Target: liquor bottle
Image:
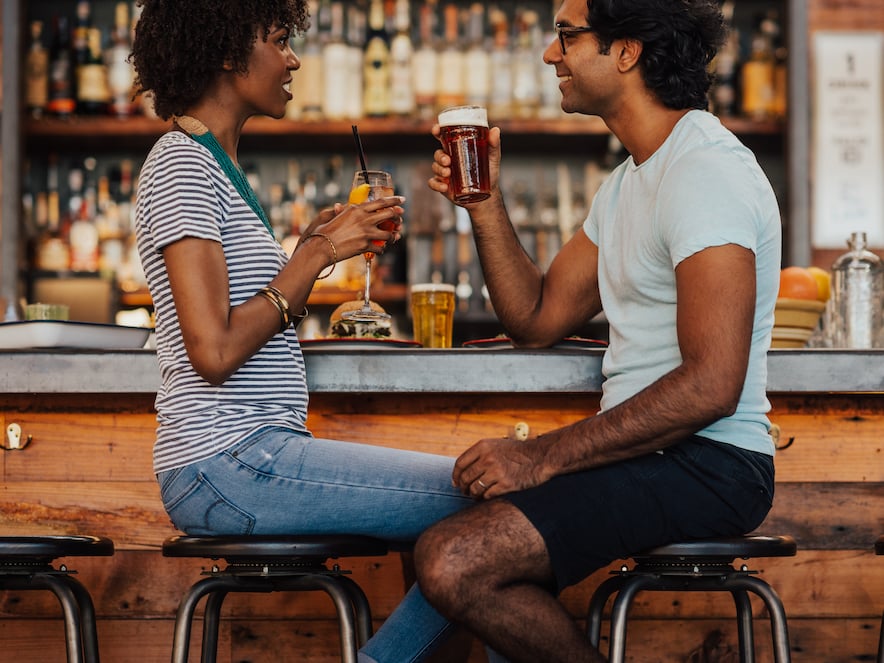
93 90
80 32
724 88
402 98
758 76
450 70
526 86
355 46
52 253
37 73
335 75
550 94
62 99
501 85
780 77
307 82
109 223
83 233
120 74
376 68
477 61
423 66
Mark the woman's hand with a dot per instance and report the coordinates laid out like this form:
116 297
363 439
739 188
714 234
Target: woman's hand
360 228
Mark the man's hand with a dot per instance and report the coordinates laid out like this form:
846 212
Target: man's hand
497 466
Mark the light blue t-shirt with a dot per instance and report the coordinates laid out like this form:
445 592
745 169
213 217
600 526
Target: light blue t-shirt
701 188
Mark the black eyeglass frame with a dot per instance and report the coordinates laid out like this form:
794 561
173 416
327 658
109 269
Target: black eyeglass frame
569 30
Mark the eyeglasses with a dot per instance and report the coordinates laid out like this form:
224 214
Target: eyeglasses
569 30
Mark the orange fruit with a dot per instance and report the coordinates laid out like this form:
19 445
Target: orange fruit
797 283
359 194
823 283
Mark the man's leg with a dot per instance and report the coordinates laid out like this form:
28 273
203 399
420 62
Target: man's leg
487 568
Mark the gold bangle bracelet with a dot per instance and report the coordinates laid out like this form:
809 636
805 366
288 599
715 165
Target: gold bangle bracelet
334 253
275 297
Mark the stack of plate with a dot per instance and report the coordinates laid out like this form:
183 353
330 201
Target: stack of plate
794 321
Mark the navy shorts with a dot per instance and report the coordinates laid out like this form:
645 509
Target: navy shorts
694 489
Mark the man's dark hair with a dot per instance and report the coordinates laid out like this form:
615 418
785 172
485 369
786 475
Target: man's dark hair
679 39
181 46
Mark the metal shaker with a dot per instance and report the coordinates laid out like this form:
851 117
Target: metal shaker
857 290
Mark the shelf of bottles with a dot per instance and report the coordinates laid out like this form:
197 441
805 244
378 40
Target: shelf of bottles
388 65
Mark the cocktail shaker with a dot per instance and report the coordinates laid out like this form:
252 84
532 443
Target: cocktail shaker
857 290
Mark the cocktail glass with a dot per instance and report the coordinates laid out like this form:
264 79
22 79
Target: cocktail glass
370 185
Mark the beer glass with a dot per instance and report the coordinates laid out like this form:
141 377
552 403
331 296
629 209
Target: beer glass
370 185
432 311
464 134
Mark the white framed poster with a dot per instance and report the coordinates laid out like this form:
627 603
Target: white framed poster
848 137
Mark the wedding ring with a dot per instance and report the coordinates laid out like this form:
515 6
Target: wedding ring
479 481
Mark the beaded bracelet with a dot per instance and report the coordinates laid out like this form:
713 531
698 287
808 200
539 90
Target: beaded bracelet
334 253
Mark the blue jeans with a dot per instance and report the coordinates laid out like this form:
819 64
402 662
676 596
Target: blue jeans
277 481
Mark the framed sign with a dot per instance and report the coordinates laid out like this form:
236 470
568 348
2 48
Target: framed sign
848 137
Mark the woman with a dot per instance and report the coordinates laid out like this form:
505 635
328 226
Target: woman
233 454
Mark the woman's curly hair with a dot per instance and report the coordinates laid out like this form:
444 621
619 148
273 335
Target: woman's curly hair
181 46
679 40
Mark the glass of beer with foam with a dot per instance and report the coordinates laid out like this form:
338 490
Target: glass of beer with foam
464 134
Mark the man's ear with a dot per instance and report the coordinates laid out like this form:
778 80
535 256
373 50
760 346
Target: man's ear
228 65
628 53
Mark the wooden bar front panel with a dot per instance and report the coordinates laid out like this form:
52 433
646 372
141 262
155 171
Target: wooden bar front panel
88 470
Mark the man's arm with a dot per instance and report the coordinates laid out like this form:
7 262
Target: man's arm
716 305
536 309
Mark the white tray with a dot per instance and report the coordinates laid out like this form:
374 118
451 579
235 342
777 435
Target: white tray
65 334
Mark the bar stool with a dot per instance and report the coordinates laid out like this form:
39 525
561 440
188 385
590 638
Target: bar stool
273 564
26 564
879 550
706 566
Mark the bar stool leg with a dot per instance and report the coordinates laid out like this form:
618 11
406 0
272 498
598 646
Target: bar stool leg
346 617
184 616
59 586
778 628
211 625
361 608
745 629
619 611
88 625
597 606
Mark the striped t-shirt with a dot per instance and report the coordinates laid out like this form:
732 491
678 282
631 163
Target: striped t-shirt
183 192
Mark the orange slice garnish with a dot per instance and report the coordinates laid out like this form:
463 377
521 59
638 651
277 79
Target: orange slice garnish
359 194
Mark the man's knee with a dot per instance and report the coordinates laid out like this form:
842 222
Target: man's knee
437 564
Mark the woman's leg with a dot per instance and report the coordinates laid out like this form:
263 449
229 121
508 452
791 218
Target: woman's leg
278 482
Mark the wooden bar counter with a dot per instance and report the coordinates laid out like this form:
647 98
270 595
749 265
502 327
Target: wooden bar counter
87 469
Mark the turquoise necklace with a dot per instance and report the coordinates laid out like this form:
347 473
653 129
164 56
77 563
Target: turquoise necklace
201 134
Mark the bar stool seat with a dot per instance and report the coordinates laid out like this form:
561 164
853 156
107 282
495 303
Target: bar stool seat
879 550
705 565
273 564
26 564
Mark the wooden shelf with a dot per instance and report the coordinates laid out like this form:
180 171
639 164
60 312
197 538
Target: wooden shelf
384 134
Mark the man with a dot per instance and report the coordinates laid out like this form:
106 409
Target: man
681 249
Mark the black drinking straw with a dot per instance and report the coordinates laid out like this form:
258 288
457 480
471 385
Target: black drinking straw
360 150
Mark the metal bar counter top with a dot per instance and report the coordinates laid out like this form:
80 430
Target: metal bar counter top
425 371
